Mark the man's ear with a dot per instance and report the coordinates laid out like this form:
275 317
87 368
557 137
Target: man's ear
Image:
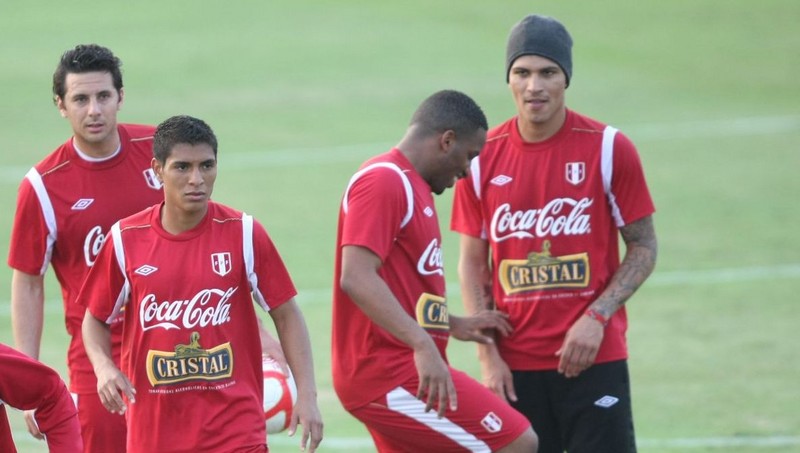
61 108
447 140
157 169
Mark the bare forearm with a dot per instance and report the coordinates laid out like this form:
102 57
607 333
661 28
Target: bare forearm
27 312
475 275
637 265
97 341
294 338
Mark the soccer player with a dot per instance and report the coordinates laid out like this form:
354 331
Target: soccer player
390 316
65 207
28 384
183 275
539 218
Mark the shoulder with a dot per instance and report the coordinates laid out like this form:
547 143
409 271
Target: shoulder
501 131
137 132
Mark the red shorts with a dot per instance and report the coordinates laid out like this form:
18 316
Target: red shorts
101 430
483 422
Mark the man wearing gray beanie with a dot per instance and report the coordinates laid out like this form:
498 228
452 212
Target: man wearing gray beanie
540 218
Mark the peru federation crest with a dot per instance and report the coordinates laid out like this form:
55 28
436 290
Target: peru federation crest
576 172
221 263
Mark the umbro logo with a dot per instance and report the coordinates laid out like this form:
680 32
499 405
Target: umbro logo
606 401
501 180
146 270
82 204
428 211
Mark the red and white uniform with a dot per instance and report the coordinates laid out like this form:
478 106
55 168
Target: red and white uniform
389 209
65 207
190 336
28 384
551 212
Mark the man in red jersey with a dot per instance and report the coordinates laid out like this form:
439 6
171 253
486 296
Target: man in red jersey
65 207
540 217
183 275
390 319
28 384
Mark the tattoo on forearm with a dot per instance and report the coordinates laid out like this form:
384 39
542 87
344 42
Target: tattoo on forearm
638 264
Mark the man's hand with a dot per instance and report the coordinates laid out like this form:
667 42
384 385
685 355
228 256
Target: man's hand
496 374
307 413
436 386
580 346
110 382
469 328
33 428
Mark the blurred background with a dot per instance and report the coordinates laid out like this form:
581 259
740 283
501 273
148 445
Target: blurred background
300 93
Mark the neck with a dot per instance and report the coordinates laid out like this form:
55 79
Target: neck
533 132
175 221
100 150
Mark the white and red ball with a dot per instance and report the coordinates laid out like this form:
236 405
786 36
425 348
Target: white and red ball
280 394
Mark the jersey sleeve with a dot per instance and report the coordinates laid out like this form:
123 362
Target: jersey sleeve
628 186
376 203
273 285
467 217
104 291
28 384
31 237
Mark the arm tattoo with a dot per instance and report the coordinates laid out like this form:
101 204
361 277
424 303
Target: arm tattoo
639 262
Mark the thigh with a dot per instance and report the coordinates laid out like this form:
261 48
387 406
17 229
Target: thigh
535 399
398 421
101 430
596 410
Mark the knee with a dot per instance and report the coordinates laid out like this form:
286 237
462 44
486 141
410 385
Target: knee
528 442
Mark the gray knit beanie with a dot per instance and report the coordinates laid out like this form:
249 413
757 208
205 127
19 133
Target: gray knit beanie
543 36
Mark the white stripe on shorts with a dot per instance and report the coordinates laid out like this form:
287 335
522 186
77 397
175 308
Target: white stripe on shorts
401 401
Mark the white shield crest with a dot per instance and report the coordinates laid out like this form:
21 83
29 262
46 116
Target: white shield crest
151 179
221 263
576 172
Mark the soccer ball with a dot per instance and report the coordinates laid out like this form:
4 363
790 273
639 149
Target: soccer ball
280 394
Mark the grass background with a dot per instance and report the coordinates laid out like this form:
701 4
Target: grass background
299 93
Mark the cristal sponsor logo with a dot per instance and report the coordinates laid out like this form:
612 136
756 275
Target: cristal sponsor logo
430 263
500 180
606 401
207 307
559 216
492 423
432 312
145 270
82 204
92 244
190 362
541 270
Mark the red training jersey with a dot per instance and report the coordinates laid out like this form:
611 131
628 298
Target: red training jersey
191 344
387 208
551 212
27 384
65 207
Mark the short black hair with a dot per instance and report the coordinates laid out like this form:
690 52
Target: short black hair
449 110
181 129
86 58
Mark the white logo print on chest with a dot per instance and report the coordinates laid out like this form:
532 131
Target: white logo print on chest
559 216
430 263
92 244
199 311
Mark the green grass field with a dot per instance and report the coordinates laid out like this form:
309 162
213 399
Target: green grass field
299 93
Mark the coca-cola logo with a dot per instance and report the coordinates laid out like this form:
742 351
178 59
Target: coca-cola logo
431 263
92 245
559 216
207 307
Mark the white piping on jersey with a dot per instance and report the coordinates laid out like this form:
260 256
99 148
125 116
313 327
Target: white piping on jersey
475 173
49 214
403 177
607 170
401 401
124 292
249 260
